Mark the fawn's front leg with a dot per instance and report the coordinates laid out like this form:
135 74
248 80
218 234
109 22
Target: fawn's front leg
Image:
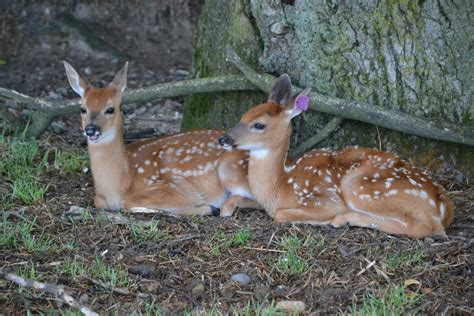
237 201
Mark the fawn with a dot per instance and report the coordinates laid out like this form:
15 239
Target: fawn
186 174
356 186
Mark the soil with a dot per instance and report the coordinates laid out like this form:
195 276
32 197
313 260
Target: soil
190 269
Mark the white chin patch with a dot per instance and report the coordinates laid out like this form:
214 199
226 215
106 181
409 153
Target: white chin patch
259 153
227 147
103 138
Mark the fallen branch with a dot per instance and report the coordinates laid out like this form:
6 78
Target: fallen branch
364 112
46 111
56 290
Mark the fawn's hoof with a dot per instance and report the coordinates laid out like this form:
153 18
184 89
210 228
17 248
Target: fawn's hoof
215 211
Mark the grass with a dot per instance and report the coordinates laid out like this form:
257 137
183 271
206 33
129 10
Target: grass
112 276
70 161
394 300
291 262
152 232
28 271
152 309
22 165
406 258
16 235
221 241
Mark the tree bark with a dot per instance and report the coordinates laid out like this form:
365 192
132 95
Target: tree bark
409 56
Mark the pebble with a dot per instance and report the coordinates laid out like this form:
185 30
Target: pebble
54 96
198 289
241 278
143 270
58 127
291 306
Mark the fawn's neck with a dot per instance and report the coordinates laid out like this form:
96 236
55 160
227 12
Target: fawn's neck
110 168
267 176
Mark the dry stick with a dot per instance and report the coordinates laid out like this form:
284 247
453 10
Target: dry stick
56 290
365 112
47 111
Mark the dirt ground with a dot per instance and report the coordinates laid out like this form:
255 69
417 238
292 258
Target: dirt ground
189 265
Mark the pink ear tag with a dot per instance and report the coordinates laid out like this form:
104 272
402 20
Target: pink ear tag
302 102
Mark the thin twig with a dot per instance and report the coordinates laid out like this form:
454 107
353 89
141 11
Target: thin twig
364 112
56 290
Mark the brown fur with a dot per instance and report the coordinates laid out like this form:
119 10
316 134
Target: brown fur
185 173
356 186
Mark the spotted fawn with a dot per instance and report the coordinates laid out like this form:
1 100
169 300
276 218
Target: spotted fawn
185 174
356 186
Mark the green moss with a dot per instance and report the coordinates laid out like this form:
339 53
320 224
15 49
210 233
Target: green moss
221 23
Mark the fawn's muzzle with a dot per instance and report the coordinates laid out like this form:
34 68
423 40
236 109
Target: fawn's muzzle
92 130
226 141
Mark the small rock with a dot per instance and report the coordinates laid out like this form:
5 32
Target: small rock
198 289
241 278
181 72
280 291
62 91
87 71
54 96
291 306
143 270
140 110
58 127
279 28
261 292
149 286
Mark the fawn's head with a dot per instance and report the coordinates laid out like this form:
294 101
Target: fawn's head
267 125
100 107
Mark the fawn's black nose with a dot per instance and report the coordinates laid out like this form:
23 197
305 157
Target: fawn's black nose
91 129
225 140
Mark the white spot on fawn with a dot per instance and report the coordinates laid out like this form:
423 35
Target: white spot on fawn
141 170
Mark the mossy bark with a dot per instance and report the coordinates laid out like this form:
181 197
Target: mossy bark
222 22
412 56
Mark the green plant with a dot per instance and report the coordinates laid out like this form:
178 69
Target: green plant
394 300
8 233
28 271
72 267
22 166
21 234
152 232
242 237
68 162
291 262
114 277
68 245
151 309
404 258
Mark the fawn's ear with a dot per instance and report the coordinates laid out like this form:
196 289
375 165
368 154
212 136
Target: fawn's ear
120 79
281 91
78 84
299 104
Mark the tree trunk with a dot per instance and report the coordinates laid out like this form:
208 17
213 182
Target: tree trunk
412 56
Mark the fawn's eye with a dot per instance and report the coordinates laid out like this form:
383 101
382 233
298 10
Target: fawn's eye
110 111
83 110
259 126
